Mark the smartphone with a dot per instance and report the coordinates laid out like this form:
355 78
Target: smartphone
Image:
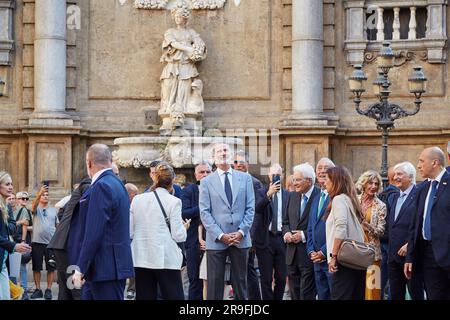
46 183
276 178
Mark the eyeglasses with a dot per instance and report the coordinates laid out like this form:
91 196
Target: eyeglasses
239 162
26 199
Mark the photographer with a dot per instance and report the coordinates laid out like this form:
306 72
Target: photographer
44 226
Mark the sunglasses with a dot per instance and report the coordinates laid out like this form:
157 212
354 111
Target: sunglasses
26 199
204 171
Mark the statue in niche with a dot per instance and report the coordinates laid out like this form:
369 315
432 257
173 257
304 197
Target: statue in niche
181 89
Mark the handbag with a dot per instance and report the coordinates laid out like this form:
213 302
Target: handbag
166 218
356 255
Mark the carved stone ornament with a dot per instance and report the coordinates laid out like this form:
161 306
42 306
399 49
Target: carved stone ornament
401 56
169 4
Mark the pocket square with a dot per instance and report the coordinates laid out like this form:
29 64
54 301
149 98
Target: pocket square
82 200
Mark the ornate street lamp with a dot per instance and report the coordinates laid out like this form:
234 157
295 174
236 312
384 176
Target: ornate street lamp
384 112
2 87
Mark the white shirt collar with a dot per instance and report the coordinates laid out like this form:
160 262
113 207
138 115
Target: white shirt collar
439 177
221 172
95 177
407 191
308 193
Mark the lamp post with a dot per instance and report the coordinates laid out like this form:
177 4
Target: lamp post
2 87
384 112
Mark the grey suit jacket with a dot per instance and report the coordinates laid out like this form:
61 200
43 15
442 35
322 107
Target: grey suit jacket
219 217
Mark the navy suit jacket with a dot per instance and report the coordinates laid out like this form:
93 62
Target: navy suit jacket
399 229
177 191
316 238
263 216
440 222
190 210
103 224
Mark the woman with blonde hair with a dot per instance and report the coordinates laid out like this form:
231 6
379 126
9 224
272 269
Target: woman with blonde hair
369 185
7 228
156 227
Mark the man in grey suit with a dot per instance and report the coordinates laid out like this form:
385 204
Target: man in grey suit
227 207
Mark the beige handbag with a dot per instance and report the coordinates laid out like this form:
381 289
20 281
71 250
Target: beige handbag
356 255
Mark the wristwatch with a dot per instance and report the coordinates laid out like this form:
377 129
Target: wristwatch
333 255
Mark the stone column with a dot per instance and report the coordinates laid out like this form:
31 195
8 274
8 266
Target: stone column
307 64
50 64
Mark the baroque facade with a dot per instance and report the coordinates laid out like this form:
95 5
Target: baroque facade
79 72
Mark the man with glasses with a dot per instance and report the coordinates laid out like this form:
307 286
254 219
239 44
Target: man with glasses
190 210
44 226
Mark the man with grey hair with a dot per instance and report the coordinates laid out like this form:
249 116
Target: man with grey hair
227 207
316 240
190 210
101 246
267 238
295 226
401 210
428 245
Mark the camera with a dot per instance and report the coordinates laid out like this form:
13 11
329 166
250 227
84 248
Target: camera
276 178
46 183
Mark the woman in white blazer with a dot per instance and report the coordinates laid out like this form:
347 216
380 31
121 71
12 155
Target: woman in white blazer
156 256
343 221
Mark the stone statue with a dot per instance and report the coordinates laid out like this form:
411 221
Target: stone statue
180 87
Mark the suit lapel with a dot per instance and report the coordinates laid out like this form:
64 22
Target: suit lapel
236 183
441 187
324 207
219 188
409 200
307 210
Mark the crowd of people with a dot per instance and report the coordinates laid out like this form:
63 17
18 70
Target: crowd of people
230 230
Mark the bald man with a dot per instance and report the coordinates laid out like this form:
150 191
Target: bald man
429 244
100 246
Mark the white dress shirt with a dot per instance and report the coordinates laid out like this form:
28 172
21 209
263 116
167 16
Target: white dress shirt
222 177
438 179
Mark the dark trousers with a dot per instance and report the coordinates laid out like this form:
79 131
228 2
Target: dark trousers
436 278
348 284
103 290
168 281
254 292
398 282
63 273
323 281
306 288
193 268
216 272
272 266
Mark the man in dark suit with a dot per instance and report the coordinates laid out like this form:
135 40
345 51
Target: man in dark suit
316 239
190 210
104 258
448 155
241 163
402 209
58 243
267 238
428 245
295 226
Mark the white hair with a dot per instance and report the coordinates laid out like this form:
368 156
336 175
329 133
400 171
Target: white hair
408 168
276 168
306 170
326 160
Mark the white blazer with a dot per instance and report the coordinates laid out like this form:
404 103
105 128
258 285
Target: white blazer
153 246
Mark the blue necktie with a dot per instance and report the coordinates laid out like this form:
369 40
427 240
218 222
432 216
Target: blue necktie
399 204
228 191
303 205
427 224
